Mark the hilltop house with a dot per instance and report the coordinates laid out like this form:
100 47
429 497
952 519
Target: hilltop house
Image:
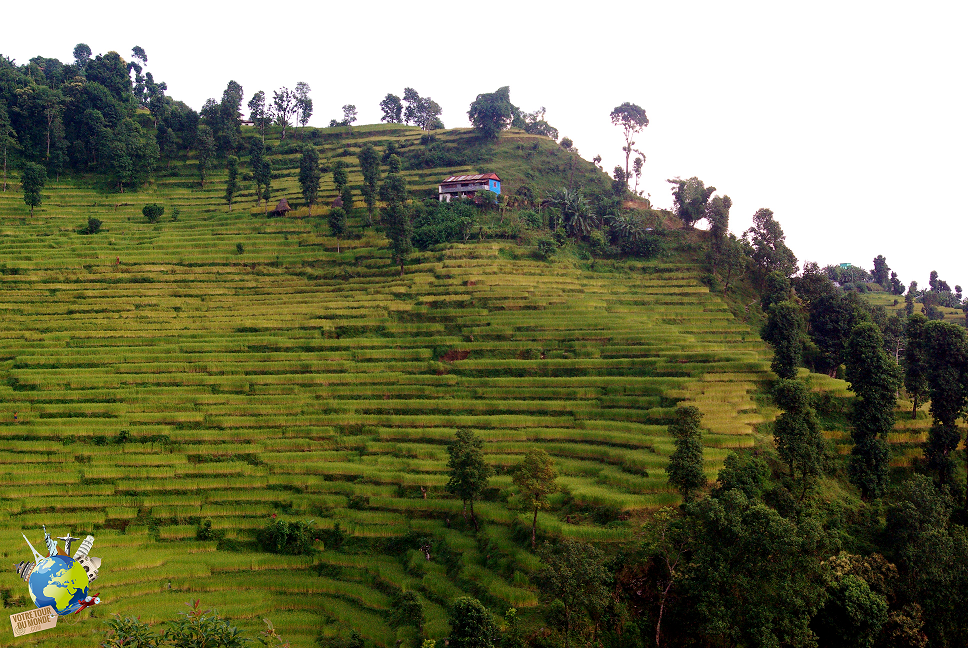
465 186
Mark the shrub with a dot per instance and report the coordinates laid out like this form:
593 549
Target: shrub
239 248
546 248
93 226
291 538
153 212
531 219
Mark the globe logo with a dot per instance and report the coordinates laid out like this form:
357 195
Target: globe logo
60 582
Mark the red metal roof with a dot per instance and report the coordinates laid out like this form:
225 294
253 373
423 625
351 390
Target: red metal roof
471 178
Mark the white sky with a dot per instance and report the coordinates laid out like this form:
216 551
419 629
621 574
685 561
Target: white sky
847 119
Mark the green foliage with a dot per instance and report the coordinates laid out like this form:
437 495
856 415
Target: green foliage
199 628
784 330
93 226
232 184
440 222
471 625
535 477
469 472
370 168
690 199
685 464
492 112
546 248
833 317
32 180
768 245
946 359
797 435
309 175
340 176
392 109
407 610
153 212
753 574
875 378
746 473
575 573
632 119
129 632
206 151
337 221
284 537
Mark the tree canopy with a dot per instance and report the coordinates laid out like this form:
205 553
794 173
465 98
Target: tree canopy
492 112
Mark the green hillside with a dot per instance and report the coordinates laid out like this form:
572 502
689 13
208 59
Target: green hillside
153 377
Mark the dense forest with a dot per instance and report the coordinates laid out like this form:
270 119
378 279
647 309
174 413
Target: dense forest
792 543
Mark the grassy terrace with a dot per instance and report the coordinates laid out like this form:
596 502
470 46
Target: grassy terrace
294 380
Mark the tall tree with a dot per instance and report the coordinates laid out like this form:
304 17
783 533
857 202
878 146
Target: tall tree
753 575
304 103
471 625
691 199
370 168
349 114
232 185
309 175
768 242
946 355
717 213
259 113
685 464
392 109
632 119
340 177
875 378
32 180
881 271
469 472
206 150
535 477
337 224
492 112
915 362
8 140
284 107
574 573
396 215
82 54
784 329
797 435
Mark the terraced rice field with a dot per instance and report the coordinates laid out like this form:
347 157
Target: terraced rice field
295 380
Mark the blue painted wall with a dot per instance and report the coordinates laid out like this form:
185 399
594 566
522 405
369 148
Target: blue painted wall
495 186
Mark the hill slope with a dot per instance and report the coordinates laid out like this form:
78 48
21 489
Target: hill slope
153 377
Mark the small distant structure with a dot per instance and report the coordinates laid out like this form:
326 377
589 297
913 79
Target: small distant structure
282 208
466 186
246 122
846 265
338 202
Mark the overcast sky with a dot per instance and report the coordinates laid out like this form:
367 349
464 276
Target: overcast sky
847 119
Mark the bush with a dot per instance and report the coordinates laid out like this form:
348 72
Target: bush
290 538
239 248
436 222
153 212
93 226
531 219
546 248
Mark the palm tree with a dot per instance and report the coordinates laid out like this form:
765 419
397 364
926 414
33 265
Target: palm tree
576 214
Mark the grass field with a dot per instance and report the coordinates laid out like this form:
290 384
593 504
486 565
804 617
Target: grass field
152 377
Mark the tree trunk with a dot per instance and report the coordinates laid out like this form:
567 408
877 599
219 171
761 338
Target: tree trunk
474 517
534 528
914 410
